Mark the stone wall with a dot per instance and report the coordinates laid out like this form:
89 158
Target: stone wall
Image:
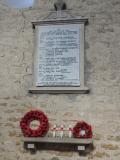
101 107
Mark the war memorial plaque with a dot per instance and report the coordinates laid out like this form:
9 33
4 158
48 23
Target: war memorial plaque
58 50
59 55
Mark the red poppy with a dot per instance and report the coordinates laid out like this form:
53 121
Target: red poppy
82 130
31 116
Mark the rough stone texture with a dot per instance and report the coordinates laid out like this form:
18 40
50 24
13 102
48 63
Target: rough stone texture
101 107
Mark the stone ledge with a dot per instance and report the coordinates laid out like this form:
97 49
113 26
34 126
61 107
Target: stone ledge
59 90
59 140
68 144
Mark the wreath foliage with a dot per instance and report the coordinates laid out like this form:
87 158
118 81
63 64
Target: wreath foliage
31 116
82 130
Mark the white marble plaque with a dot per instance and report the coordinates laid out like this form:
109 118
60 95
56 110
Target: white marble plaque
58 55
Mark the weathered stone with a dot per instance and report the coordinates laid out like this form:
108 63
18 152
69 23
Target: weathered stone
110 137
13 119
101 154
65 154
54 158
97 136
110 146
117 154
100 108
17 143
8 124
117 138
12 133
3 104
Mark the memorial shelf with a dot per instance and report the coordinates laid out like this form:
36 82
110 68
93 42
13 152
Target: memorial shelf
48 136
62 144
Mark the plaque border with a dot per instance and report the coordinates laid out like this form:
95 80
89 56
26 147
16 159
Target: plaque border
62 89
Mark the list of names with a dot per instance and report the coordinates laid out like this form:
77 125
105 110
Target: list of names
58 55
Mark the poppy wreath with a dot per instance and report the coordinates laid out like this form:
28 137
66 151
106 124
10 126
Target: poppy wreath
38 115
82 130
